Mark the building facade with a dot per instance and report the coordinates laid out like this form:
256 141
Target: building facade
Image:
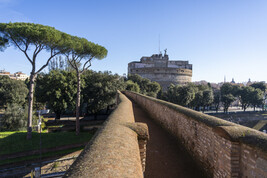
15 76
159 68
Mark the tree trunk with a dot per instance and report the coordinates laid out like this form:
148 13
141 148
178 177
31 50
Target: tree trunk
58 115
30 97
95 116
107 109
78 103
216 108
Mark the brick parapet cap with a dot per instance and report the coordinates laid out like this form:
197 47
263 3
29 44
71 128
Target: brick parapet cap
242 134
140 129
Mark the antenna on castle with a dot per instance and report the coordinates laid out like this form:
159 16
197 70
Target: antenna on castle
159 43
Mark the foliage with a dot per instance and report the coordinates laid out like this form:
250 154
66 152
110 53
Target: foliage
100 90
226 88
12 91
198 100
182 95
189 95
152 89
260 85
82 50
207 98
227 95
57 89
146 86
257 98
131 86
14 118
216 99
24 35
31 39
245 95
227 99
3 43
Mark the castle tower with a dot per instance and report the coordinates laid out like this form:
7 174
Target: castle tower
159 68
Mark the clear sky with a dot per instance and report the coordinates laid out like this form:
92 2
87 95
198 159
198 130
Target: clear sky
219 37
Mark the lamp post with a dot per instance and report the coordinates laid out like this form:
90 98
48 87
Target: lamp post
38 171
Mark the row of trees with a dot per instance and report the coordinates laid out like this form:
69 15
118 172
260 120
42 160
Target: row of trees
253 95
142 85
32 39
57 90
190 95
202 96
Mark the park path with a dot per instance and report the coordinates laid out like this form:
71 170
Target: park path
165 157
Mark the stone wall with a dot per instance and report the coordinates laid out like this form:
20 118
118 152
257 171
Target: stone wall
222 148
117 150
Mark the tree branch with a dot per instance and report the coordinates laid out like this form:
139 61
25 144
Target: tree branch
84 66
24 51
37 50
70 61
47 62
17 44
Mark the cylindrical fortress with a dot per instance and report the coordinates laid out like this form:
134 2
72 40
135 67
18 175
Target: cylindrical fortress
158 68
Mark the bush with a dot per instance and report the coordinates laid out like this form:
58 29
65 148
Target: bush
43 125
14 118
132 86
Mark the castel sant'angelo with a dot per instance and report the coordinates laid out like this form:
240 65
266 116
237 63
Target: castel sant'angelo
158 68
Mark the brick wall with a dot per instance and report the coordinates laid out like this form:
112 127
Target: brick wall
222 149
117 149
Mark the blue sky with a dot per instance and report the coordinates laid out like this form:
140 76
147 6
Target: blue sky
219 37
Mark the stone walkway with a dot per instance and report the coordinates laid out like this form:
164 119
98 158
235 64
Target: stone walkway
165 158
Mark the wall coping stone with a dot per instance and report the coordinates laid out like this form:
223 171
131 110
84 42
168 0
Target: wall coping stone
244 135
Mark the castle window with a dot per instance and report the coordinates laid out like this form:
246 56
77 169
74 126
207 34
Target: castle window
136 70
182 70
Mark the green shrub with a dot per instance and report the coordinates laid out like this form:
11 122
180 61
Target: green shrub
43 125
14 118
132 86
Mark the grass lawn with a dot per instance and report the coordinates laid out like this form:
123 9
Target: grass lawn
12 142
45 155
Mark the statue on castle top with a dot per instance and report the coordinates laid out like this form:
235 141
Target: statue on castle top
165 51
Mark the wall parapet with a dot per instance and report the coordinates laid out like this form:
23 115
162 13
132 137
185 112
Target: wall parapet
222 148
114 151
